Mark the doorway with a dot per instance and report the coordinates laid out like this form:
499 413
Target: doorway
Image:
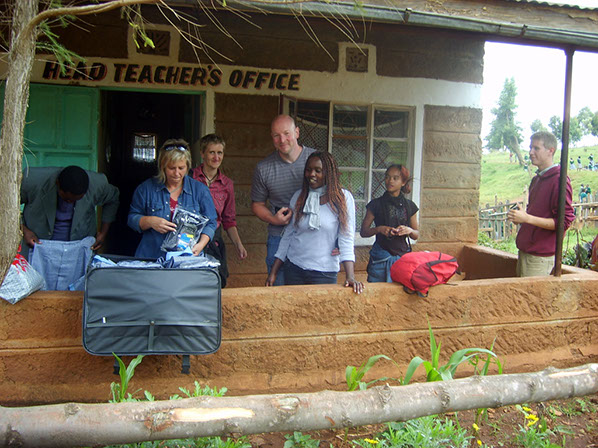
135 126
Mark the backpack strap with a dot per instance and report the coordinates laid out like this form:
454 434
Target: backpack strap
185 365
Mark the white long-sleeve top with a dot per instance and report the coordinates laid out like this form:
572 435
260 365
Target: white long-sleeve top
311 249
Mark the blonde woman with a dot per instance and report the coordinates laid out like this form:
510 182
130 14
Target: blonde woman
155 200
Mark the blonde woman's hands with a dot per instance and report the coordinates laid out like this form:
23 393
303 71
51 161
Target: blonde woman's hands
160 225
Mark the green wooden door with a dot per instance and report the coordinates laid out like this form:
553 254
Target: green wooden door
62 127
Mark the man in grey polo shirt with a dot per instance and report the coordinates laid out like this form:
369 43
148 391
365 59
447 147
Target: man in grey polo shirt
275 180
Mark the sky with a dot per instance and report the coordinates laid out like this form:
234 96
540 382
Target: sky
540 79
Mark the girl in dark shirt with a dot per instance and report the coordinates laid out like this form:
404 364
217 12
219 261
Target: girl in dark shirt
395 220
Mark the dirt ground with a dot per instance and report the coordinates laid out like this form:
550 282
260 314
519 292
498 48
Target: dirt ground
574 419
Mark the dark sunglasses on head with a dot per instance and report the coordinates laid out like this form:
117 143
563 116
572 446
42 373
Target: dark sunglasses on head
171 147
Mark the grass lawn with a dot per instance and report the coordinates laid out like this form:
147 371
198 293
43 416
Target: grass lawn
509 180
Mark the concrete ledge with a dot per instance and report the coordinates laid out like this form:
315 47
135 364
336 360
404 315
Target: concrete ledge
301 338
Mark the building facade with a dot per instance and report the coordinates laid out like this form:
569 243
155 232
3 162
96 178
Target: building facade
382 95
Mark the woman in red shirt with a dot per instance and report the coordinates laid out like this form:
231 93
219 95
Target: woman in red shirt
222 191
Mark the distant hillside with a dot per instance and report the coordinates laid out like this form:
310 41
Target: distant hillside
508 180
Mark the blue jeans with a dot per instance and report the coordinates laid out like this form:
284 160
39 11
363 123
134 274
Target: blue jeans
271 248
379 265
294 275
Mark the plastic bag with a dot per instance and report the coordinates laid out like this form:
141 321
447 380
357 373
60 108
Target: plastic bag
21 280
188 230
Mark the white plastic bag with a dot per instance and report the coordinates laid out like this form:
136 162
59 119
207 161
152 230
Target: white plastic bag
20 281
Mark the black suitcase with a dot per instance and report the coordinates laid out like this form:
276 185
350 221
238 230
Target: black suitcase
152 311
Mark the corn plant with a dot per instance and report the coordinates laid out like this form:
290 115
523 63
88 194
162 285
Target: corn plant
436 372
354 375
119 391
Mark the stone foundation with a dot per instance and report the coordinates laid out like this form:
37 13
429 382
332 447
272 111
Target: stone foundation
301 338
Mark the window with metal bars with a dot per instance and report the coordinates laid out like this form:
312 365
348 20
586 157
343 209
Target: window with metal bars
364 139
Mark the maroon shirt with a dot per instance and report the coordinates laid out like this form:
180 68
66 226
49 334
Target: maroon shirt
223 194
543 202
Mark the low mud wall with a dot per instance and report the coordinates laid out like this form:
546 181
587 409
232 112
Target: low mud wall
301 338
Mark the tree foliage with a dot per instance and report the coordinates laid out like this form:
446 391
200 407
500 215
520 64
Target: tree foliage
505 131
556 126
576 130
594 130
584 117
579 126
537 126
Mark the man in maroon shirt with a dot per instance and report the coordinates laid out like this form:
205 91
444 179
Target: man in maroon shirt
536 239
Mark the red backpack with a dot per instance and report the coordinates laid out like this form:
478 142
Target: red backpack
417 271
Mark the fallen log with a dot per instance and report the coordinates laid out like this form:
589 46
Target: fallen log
76 424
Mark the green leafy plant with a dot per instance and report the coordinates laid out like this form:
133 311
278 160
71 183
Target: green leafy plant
436 372
572 408
424 432
354 375
300 440
217 442
534 433
203 442
506 245
200 391
119 391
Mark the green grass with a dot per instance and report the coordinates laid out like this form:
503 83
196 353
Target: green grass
509 180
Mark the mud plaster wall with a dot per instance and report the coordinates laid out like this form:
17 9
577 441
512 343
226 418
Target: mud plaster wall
451 170
291 339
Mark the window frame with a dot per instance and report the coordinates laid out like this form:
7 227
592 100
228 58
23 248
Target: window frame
370 138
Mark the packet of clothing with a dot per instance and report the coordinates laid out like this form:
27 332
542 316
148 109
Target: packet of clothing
186 262
188 230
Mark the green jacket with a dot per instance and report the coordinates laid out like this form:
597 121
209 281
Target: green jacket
39 193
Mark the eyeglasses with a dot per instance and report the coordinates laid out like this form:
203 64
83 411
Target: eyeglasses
178 147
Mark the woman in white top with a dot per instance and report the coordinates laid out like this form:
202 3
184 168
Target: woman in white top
323 219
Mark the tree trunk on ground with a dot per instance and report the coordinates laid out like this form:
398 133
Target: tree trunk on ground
72 424
16 99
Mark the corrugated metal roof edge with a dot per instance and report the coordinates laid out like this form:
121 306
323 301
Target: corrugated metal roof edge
557 4
407 16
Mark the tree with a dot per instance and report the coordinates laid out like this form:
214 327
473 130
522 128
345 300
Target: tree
505 131
73 424
594 130
585 116
576 129
537 126
556 126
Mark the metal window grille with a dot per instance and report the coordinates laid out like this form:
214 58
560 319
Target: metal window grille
144 147
364 140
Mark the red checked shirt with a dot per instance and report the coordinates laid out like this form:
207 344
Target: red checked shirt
223 194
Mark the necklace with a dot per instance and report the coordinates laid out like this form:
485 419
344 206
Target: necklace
208 179
175 190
